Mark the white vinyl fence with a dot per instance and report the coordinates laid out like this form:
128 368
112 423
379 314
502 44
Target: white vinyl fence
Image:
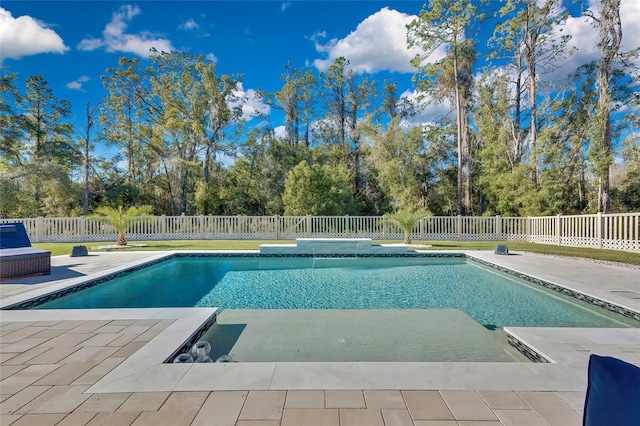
608 231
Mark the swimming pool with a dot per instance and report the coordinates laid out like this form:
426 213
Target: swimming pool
490 298
416 308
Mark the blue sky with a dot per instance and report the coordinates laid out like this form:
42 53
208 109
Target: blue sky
71 43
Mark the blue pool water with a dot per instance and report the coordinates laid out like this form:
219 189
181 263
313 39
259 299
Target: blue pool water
491 299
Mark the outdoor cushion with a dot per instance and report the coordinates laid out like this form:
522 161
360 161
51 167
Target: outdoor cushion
17 257
22 253
613 393
13 235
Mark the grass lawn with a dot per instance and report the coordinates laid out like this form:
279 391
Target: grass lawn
602 255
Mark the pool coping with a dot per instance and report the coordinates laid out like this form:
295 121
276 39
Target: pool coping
146 369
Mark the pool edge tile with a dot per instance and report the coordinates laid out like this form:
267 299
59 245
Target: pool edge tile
317 375
227 376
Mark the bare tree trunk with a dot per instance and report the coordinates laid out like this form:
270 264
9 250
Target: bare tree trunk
459 136
207 161
87 140
610 38
169 187
605 182
531 41
85 198
468 156
184 178
606 194
36 156
534 121
517 137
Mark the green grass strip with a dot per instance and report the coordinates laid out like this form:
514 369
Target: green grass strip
579 252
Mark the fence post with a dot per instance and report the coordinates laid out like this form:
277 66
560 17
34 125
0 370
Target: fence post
308 226
346 229
559 229
384 229
39 229
277 218
599 228
459 226
498 228
422 229
201 226
527 231
163 227
82 228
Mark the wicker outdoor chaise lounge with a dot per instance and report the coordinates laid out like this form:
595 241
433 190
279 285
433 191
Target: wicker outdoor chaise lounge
17 257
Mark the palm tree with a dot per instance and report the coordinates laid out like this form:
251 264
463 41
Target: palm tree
406 219
121 219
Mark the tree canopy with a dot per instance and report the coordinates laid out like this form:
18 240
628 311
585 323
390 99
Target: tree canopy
349 143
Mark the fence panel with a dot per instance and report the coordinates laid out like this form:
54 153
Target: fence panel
365 227
145 228
327 226
292 227
257 227
514 229
621 232
579 231
543 230
96 230
440 228
62 229
220 227
181 227
478 229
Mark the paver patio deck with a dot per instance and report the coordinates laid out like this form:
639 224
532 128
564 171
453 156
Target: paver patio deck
105 366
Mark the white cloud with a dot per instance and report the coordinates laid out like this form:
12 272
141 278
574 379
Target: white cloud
90 44
211 57
319 34
285 5
584 42
115 39
585 37
378 43
26 36
190 24
252 105
629 12
428 111
224 159
316 38
77 84
280 132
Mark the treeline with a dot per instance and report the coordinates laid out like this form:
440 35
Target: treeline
188 142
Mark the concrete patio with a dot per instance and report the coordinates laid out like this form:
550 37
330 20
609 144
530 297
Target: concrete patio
93 367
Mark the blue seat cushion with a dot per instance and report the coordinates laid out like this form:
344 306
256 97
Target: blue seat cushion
13 235
613 393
